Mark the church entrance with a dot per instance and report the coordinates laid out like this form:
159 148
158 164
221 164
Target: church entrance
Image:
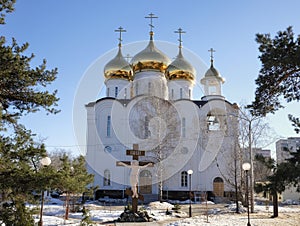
218 187
145 182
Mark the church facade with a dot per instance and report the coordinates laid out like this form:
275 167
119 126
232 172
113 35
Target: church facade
149 115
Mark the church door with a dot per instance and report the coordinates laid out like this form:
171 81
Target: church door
219 187
145 182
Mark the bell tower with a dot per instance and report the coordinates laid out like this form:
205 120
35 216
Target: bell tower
212 80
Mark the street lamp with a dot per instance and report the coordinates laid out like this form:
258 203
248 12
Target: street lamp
46 161
246 167
190 172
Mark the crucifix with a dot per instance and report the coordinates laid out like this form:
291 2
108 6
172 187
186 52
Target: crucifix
135 167
180 31
211 50
120 30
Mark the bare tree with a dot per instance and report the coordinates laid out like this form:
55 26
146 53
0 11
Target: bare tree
157 122
254 132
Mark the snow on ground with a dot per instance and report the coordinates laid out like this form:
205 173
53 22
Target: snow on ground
288 216
224 216
160 205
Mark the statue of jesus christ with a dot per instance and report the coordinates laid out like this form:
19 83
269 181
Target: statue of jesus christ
134 175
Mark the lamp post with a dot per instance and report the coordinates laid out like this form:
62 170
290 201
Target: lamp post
246 167
190 172
46 161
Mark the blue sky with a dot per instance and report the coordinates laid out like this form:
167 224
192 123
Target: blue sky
72 34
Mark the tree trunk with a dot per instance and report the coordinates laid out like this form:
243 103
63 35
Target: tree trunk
67 206
275 204
236 186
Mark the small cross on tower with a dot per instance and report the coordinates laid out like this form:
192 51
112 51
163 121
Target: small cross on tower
135 166
120 30
211 50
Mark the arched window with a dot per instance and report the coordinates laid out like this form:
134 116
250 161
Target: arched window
184 178
107 92
106 178
183 127
116 92
108 125
149 87
212 90
125 93
136 89
172 94
190 93
213 122
146 126
181 93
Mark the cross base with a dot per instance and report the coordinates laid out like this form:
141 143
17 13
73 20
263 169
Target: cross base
134 200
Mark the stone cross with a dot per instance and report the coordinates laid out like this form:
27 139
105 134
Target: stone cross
135 166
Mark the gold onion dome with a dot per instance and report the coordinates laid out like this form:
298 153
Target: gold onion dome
118 68
150 58
181 69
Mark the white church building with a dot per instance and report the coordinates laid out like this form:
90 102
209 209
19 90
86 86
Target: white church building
149 105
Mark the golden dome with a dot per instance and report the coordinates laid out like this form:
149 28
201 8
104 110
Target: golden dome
150 58
181 69
118 68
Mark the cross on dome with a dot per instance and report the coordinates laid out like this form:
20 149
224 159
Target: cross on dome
179 32
211 50
151 17
120 30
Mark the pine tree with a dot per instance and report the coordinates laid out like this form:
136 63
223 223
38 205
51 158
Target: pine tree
6 6
279 78
73 179
279 75
23 90
20 175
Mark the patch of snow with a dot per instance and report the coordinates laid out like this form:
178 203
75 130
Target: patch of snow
161 205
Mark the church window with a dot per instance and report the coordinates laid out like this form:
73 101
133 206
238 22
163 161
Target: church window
149 87
116 91
190 94
212 90
184 178
184 150
107 149
107 92
181 93
108 126
106 178
146 126
213 122
125 93
172 94
136 89
183 127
